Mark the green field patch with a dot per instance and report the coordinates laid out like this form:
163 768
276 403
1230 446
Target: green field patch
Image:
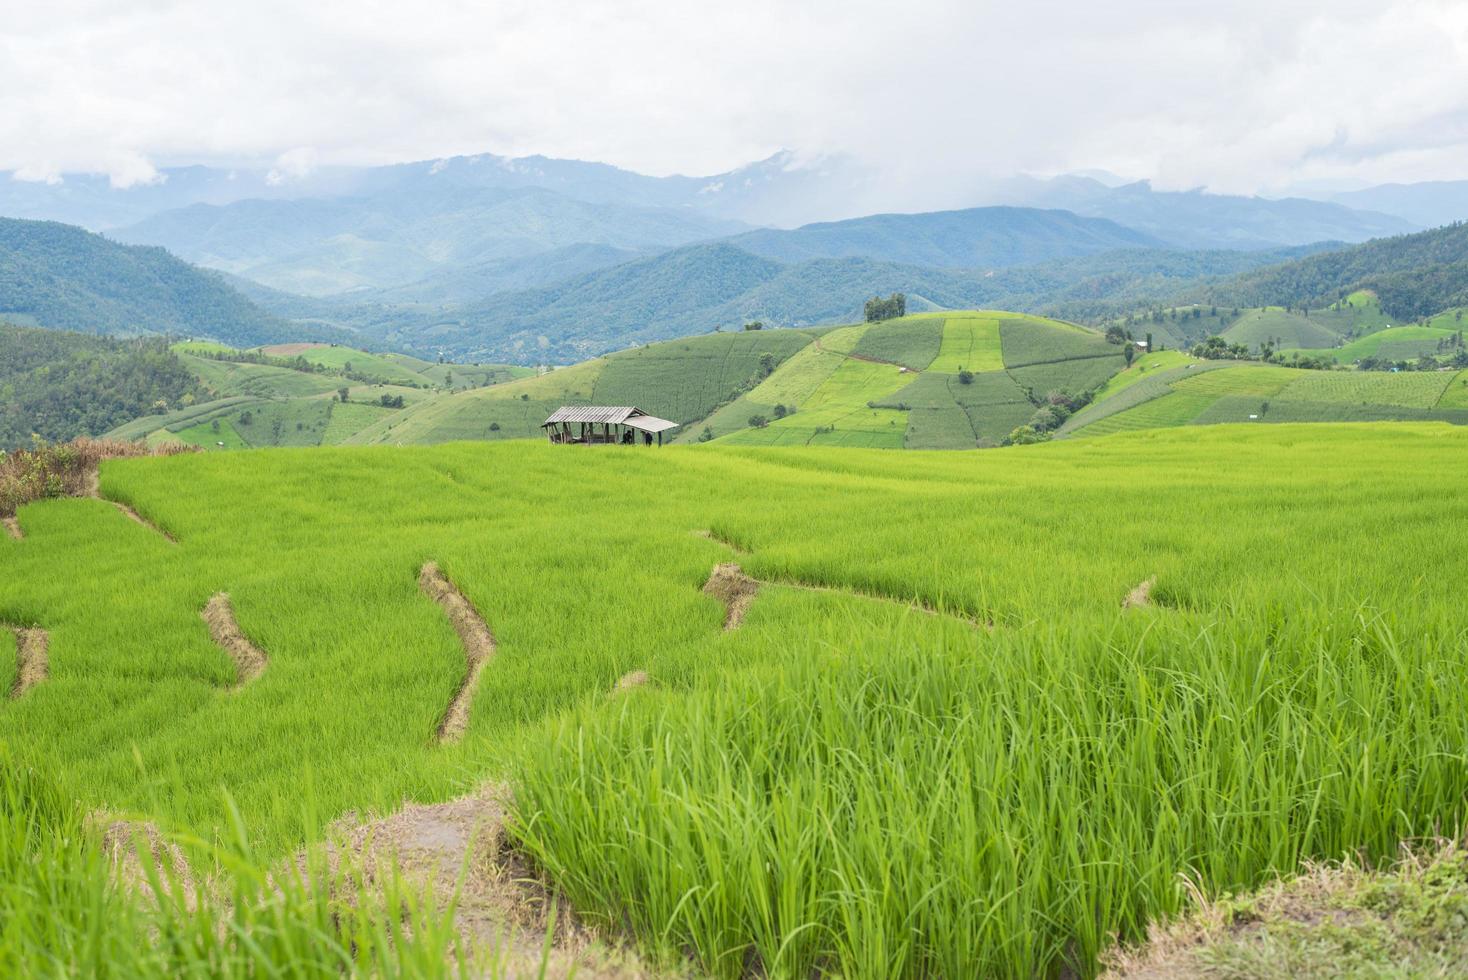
1396 344
942 427
218 434
259 380
843 340
349 418
1144 365
795 381
1455 395
297 422
181 418
685 380
1262 380
1173 409
992 423
970 343
1027 340
1239 409
1272 325
910 341
1069 377
1409 389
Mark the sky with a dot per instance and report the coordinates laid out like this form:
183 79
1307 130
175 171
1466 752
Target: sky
934 97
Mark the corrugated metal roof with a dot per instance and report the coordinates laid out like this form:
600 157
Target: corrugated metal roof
649 423
591 413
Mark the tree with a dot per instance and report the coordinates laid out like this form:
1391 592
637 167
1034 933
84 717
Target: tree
342 393
779 411
1129 354
965 376
1116 334
758 421
706 434
890 308
767 363
1024 436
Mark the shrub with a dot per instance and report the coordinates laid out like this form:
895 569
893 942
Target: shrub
64 469
758 421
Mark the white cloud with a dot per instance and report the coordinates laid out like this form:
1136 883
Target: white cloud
935 95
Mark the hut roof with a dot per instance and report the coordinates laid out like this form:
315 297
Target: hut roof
591 413
649 423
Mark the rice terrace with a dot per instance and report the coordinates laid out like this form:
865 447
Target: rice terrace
652 491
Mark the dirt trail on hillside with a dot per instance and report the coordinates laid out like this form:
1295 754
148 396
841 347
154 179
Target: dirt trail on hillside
734 589
1141 596
93 486
474 635
13 526
32 659
249 660
730 585
502 906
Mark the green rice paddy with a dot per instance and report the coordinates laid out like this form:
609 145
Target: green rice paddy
937 744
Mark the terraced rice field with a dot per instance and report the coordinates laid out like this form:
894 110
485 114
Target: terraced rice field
970 342
1262 393
891 742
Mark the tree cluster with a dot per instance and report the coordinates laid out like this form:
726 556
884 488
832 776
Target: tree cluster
889 308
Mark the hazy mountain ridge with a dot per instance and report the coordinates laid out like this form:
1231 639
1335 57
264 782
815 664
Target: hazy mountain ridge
57 275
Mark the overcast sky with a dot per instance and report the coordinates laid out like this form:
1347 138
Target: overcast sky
1243 96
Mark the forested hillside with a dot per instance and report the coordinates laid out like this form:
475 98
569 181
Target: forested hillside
55 275
59 385
1413 275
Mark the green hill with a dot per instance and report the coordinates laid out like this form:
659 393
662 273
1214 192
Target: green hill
976 238
1414 276
929 381
58 276
1219 391
59 385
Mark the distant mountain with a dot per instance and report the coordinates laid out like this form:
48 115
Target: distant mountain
59 276
1413 275
1428 204
1199 220
716 285
977 238
466 284
325 246
780 190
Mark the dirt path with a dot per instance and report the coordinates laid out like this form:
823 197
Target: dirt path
865 357
249 660
502 906
477 640
32 664
730 585
13 526
734 589
1141 596
94 489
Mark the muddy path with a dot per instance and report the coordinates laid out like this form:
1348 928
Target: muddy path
736 590
93 487
249 660
460 850
1141 596
32 656
474 636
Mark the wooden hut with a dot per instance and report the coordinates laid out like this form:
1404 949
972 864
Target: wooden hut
606 425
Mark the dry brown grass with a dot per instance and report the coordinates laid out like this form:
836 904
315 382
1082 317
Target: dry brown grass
474 635
734 589
66 469
249 660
